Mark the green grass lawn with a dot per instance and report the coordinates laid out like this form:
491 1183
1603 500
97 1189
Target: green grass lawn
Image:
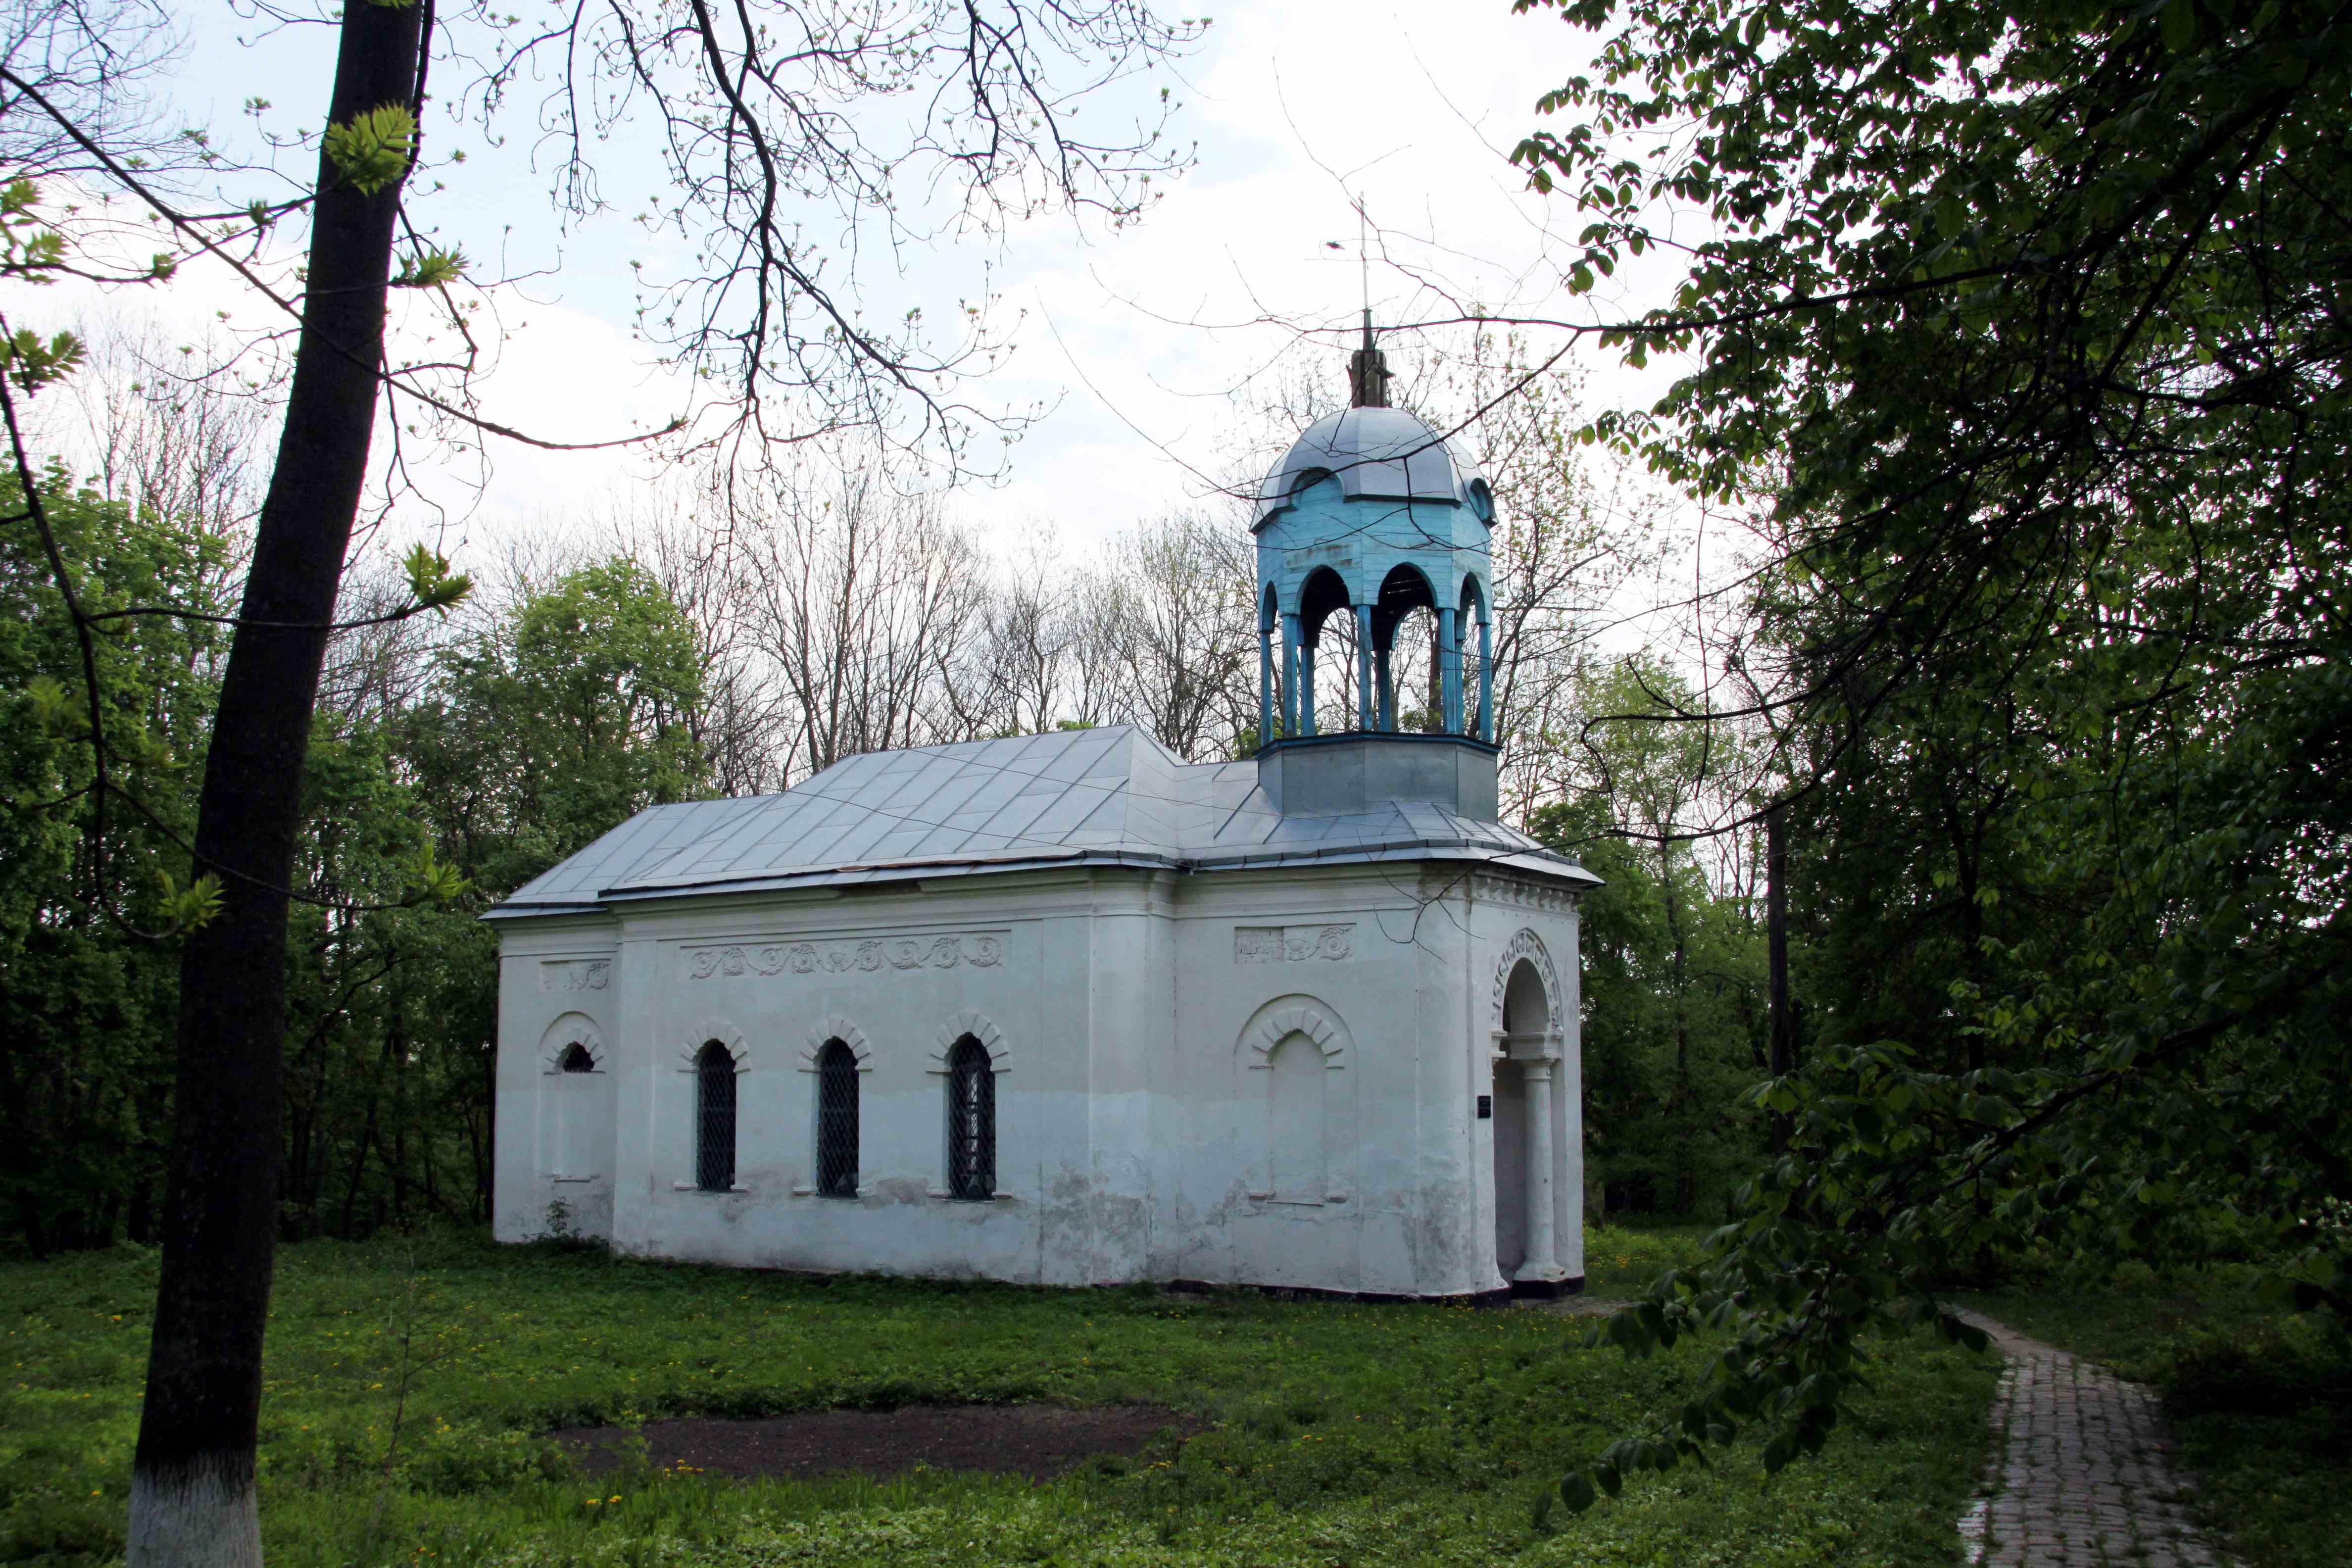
1345 1434
2258 1398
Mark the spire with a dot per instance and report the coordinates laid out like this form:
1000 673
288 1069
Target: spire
1368 371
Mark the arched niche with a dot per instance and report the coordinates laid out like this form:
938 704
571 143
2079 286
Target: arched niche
571 1029
1298 1102
576 1112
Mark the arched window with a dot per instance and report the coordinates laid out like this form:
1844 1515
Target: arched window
575 1058
971 1121
714 1124
836 1121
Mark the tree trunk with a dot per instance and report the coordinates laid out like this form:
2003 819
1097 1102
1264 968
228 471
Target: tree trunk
1782 1023
192 1489
1682 1096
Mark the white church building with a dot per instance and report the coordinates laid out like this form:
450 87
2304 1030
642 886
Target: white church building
1063 1009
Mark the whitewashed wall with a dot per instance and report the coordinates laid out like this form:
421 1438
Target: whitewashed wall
1265 1076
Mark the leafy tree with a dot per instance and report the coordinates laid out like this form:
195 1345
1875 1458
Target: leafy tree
755 131
573 715
2025 318
1673 967
85 1013
571 712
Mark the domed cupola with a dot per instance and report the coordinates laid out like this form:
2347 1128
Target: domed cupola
1373 514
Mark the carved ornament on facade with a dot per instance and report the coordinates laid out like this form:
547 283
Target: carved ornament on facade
1527 944
1293 944
575 973
1287 1016
1526 895
982 949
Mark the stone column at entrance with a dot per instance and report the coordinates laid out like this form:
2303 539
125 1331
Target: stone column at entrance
1541 1267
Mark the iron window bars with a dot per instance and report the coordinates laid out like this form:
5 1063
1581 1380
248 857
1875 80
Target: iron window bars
714 1142
836 1121
971 1121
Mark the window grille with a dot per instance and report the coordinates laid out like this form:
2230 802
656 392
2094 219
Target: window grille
971 1121
576 1058
714 1141
836 1121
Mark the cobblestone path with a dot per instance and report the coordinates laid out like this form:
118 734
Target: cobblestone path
2084 1473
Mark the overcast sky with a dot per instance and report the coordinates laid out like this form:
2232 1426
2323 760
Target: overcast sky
1134 341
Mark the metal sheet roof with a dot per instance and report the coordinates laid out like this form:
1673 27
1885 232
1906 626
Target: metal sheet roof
1105 796
1386 453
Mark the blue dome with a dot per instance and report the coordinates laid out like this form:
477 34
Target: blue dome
1383 453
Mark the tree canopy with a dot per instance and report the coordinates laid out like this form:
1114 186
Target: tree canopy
2024 326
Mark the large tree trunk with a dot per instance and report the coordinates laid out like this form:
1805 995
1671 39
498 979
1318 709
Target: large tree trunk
192 1489
1783 1019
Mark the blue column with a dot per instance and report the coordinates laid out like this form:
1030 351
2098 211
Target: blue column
1365 717
1386 685
1449 665
1486 680
1264 684
1290 675
1307 689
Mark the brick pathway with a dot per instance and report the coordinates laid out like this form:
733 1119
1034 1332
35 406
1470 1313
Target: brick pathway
2085 1470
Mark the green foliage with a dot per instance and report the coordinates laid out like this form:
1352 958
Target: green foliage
86 1015
2018 315
33 364
32 253
1372 1433
431 584
555 725
1673 970
567 719
430 268
371 150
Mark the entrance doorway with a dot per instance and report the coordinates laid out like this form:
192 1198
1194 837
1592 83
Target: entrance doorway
1511 1167
1527 1025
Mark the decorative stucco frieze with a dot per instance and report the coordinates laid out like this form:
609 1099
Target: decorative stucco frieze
1293 944
982 949
575 973
1525 895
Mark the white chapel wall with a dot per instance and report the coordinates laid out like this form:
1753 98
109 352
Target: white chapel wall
1177 1062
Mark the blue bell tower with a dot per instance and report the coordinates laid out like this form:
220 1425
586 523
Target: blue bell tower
1373 514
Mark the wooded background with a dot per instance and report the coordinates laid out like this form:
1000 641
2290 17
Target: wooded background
693 642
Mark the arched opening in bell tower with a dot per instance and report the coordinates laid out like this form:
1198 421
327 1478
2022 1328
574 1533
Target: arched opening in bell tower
1478 661
1405 651
1321 597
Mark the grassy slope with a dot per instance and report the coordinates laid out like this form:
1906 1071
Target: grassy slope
1352 1434
2257 1400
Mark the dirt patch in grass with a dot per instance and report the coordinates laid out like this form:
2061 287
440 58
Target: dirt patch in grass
1039 1441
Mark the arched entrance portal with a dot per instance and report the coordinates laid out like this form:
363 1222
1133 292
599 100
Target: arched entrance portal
1526 1137
1526 1020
